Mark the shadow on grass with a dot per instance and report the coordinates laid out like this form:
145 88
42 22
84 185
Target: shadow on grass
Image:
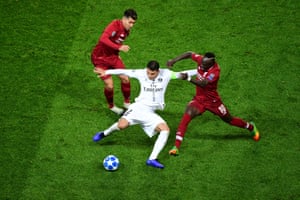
223 137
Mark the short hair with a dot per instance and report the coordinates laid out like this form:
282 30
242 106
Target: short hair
130 13
153 65
209 55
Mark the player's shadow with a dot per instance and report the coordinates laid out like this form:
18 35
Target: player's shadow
217 136
107 143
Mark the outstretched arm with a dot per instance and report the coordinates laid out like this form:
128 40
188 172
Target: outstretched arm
101 72
187 75
185 55
201 82
184 75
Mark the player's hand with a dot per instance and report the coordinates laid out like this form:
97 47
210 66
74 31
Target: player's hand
184 76
170 63
99 71
124 48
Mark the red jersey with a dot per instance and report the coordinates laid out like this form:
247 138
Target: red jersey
207 94
111 39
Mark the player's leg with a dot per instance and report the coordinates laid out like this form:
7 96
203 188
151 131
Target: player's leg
120 125
109 95
129 118
152 124
109 90
105 63
160 143
125 83
125 87
193 109
225 115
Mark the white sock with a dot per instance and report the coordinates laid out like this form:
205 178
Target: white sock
159 144
111 129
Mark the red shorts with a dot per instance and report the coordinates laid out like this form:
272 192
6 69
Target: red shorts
112 62
216 107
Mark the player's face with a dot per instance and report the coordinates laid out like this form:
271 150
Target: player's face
128 23
207 63
152 74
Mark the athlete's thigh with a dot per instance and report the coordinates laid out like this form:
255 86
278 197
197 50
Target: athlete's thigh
118 63
104 67
153 122
135 114
197 105
218 108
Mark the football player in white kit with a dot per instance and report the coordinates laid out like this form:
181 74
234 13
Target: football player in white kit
153 84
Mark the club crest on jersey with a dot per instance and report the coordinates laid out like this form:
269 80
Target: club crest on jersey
159 79
113 33
211 77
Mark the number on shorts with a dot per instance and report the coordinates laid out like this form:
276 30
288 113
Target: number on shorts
222 109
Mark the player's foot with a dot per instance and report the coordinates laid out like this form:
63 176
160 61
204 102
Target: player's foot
126 105
255 132
117 110
174 151
98 136
154 163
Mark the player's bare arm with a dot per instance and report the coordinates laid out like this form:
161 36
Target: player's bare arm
185 55
183 76
124 48
100 72
202 82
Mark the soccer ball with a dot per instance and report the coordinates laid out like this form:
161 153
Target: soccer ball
111 163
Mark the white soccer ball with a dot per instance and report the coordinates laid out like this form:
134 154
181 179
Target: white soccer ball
111 163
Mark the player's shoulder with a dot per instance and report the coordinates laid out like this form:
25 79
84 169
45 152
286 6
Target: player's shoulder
217 67
197 57
215 70
165 71
115 23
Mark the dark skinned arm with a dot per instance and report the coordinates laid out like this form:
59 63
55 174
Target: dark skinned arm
200 82
185 55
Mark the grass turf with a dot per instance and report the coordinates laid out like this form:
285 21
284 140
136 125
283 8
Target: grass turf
52 103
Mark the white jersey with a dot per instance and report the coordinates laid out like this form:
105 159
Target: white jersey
152 92
151 97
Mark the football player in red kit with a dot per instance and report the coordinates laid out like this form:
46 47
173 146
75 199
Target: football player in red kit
206 98
105 55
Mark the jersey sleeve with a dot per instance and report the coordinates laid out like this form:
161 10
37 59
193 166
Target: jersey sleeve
213 75
108 33
197 57
176 75
133 73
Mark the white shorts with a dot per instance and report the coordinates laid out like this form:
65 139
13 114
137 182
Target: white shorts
145 116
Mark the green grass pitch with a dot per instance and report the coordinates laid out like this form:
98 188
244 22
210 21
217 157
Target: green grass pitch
52 102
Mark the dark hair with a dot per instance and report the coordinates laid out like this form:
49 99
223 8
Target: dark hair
209 55
153 65
130 13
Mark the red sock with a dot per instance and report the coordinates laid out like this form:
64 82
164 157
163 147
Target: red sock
185 120
125 87
241 123
109 95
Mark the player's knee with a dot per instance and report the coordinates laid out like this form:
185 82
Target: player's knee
227 119
191 111
109 87
124 79
163 127
109 84
123 123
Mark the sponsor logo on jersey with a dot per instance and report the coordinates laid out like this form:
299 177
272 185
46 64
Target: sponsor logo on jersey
146 89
